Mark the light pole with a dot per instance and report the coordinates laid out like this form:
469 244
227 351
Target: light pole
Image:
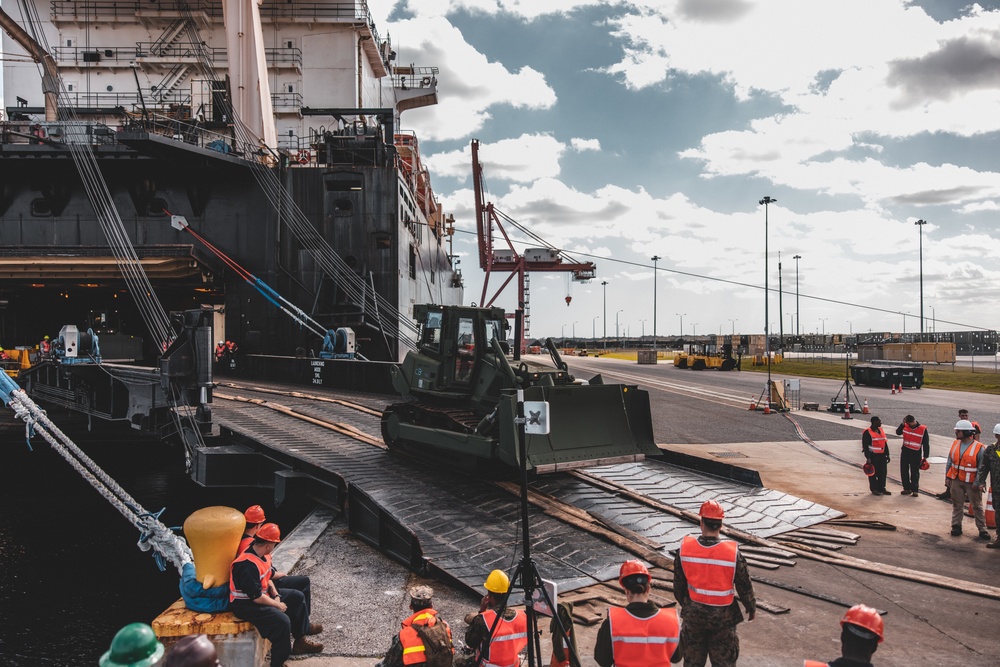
733 323
781 320
593 327
617 334
823 320
797 321
574 332
643 322
694 330
933 319
605 320
563 334
655 258
681 315
920 225
767 336
850 327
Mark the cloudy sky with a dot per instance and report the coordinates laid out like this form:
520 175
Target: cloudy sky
620 130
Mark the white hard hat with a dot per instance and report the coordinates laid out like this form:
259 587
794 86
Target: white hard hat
964 425
996 430
221 343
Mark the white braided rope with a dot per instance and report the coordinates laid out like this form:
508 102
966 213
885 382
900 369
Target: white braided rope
158 536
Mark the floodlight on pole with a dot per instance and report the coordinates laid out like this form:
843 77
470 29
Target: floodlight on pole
604 284
681 315
797 320
655 259
767 334
920 225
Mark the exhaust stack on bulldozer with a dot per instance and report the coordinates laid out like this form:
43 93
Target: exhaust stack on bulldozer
461 402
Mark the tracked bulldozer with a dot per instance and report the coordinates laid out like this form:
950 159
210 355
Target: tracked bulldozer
460 404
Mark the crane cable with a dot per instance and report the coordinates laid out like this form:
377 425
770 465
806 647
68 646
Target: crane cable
153 534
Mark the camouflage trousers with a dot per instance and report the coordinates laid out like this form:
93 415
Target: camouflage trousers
722 645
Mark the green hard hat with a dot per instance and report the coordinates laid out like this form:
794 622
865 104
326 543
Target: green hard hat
135 645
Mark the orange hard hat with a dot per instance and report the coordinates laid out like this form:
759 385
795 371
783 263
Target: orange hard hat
269 532
865 618
254 514
631 567
868 469
710 509
925 464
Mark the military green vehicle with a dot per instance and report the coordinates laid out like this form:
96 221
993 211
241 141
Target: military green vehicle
460 394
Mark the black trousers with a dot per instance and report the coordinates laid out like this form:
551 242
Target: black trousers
877 481
909 468
274 625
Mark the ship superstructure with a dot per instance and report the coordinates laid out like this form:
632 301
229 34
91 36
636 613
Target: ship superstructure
302 174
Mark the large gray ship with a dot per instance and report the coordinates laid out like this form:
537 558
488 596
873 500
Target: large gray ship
272 128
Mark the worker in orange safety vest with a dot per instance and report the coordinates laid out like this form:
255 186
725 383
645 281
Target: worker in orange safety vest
710 579
963 462
873 446
915 450
640 633
424 638
255 519
502 646
861 631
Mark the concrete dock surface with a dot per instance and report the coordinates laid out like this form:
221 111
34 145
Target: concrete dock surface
359 594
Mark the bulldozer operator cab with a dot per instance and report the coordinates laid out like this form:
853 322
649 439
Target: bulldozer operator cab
454 340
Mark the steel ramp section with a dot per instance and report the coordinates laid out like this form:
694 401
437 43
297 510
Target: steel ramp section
759 511
464 527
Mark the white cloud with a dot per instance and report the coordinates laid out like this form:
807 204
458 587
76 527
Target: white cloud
580 145
523 159
469 84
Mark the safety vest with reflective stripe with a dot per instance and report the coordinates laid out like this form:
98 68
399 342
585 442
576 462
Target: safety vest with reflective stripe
964 467
643 642
244 544
414 652
263 567
878 440
913 438
816 663
710 571
509 638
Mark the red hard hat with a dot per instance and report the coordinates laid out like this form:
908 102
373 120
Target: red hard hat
868 469
631 567
254 514
924 464
711 510
866 618
269 532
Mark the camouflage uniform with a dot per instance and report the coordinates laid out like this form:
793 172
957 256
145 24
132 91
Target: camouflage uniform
708 631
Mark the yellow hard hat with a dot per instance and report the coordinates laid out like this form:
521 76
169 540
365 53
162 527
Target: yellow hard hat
497 582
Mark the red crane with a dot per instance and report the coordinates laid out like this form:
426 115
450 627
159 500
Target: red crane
507 259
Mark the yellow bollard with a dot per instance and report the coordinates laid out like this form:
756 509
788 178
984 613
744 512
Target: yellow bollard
214 535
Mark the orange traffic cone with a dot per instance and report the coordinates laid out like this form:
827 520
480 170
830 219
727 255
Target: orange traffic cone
893 389
767 406
864 409
847 410
753 403
991 517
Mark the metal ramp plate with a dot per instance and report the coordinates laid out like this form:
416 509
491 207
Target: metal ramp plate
759 511
464 527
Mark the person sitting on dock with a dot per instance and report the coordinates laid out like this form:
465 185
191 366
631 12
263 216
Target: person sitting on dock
639 633
509 638
275 612
861 631
424 639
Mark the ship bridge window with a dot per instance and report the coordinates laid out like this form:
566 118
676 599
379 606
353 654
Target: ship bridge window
40 208
413 262
343 207
344 183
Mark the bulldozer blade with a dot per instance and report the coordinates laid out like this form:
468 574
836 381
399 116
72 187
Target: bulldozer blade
589 425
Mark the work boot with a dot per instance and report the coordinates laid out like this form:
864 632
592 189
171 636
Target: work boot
945 495
885 493
314 629
956 531
995 544
303 646
984 535
904 492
